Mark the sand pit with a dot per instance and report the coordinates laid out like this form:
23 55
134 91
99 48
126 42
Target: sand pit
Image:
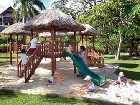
39 83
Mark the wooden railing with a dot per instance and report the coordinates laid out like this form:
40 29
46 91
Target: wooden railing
95 57
20 46
59 47
33 62
44 50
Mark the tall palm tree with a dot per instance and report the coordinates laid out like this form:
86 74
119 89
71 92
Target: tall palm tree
16 16
28 8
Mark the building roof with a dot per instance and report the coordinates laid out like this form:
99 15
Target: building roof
8 10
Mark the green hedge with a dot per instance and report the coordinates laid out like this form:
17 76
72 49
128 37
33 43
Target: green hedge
3 39
3 47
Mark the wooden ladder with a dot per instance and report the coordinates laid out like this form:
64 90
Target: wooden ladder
33 62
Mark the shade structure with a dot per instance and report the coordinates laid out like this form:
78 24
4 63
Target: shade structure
15 29
89 30
59 34
53 19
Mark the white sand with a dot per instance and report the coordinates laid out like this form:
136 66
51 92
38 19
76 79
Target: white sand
39 83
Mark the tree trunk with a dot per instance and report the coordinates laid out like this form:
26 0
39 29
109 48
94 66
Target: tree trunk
24 21
117 56
106 49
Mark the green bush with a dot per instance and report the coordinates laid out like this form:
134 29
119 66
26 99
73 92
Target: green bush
3 39
3 47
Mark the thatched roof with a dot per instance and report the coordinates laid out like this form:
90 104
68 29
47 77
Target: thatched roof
15 29
89 30
59 34
53 18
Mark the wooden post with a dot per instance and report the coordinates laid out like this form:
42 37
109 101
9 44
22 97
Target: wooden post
11 49
52 51
86 41
17 57
2 20
17 49
24 40
31 37
93 40
82 39
75 50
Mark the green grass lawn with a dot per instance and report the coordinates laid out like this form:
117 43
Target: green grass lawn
5 57
130 66
10 98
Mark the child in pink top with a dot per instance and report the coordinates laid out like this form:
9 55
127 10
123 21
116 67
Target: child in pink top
83 54
89 84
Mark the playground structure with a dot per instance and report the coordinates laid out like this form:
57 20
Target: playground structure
50 49
14 30
94 57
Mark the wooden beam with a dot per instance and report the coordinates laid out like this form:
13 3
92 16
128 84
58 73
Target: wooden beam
32 35
10 49
75 40
75 50
17 49
82 39
17 57
86 41
53 60
93 41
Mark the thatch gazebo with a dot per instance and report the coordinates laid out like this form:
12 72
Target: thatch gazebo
15 29
89 31
54 21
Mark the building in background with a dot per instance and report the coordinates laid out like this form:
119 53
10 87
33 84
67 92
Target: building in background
6 18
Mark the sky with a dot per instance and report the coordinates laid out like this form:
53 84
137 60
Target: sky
6 3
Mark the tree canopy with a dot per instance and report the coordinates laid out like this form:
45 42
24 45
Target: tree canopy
75 7
117 20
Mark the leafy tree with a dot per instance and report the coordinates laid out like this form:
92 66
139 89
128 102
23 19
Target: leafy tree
116 21
75 7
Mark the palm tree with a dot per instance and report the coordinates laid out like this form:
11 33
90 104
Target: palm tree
16 16
28 8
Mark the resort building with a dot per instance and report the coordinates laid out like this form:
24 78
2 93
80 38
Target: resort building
6 18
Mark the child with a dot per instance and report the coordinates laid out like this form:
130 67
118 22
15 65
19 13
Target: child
69 49
24 59
89 84
84 57
33 44
83 54
121 79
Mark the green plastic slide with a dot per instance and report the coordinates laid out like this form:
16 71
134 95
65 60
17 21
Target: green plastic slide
83 68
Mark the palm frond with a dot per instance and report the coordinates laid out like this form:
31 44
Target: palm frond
39 4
